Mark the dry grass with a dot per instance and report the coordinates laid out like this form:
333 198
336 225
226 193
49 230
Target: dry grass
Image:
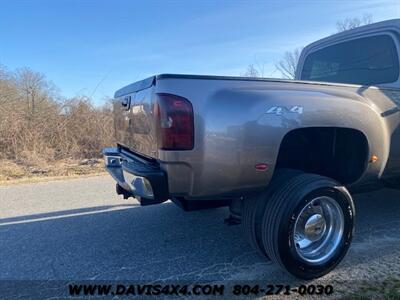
38 124
45 136
12 172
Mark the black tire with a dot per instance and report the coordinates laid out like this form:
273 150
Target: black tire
281 212
253 210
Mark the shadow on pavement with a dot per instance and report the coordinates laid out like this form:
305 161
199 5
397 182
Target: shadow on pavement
139 243
153 243
63 213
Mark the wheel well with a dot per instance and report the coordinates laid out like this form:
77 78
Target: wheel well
339 153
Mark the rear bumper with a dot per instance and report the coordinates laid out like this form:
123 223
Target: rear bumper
142 179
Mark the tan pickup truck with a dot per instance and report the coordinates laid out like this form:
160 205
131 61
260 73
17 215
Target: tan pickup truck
285 155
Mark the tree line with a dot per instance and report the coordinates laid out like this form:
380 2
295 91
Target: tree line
36 123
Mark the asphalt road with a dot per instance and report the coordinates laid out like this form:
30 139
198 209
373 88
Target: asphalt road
80 229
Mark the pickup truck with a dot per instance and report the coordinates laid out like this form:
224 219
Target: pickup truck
284 155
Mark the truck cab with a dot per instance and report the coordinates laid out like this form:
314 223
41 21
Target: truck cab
367 56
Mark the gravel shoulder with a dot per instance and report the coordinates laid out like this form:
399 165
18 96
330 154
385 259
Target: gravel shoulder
16 172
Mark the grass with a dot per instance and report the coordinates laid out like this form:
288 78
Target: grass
388 289
13 172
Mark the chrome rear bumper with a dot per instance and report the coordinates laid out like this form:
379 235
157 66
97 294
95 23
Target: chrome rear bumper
139 178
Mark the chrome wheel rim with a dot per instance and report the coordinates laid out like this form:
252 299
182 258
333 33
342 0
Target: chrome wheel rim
318 230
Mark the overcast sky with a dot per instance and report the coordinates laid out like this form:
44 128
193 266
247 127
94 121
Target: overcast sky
96 47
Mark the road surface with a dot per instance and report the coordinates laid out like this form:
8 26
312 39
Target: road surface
80 229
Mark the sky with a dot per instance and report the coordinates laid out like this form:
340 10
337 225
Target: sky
93 48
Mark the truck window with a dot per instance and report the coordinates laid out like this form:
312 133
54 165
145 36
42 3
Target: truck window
366 61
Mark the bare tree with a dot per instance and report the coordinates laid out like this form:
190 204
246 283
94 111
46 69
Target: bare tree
35 88
254 70
251 71
8 91
37 126
351 23
287 65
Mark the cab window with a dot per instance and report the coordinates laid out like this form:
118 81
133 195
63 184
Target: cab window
366 61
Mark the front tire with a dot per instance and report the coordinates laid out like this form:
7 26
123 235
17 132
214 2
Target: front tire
308 225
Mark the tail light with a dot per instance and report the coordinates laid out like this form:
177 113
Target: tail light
174 122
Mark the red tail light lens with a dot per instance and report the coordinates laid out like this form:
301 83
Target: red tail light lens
174 115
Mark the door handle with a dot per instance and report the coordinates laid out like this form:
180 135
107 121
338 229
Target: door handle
125 102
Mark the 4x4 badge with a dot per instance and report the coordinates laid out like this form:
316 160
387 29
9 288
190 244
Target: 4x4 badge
279 110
